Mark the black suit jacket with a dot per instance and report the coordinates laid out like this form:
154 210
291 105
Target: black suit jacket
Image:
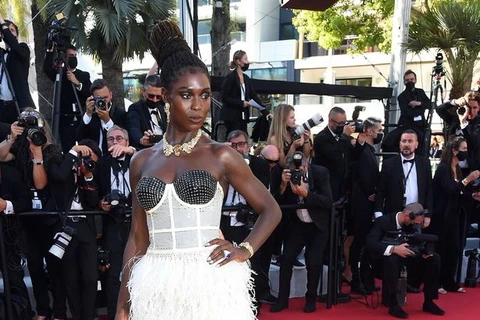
93 128
319 200
260 169
390 188
104 171
407 113
14 189
233 108
67 97
18 64
336 156
139 121
379 229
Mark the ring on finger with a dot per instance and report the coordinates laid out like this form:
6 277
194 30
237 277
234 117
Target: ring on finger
227 254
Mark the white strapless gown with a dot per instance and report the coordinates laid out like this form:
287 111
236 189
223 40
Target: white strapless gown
173 280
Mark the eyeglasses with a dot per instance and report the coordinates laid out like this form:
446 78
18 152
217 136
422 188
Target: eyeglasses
271 161
153 96
240 144
118 138
342 123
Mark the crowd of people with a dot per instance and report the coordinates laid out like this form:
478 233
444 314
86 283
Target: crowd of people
161 184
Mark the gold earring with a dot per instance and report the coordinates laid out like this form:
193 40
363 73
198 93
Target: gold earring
167 111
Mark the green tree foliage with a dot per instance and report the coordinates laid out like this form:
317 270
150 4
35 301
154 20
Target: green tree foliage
16 11
112 30
368 20
453 26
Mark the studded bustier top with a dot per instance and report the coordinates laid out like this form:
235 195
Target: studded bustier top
181 215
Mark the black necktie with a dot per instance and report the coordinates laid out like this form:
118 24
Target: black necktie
411 161
154 112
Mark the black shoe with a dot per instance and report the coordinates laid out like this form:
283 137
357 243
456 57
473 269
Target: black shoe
310 306
267 299
298 265
412 289
432 308
397 312
279 306
359 288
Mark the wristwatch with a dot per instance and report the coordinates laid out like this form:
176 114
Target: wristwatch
36 162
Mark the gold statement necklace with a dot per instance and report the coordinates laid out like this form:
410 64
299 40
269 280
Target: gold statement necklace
186 147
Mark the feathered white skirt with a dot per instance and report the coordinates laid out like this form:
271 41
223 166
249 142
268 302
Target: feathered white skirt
185 286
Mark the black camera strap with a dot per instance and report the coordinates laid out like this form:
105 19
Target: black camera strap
76 98
405 179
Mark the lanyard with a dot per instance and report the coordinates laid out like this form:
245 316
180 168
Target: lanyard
408 175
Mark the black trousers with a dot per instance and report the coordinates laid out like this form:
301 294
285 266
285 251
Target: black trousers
232 233
67 128
361 227
302 235
236 125
80 270
116 236
8 112
261 266
39 240
429 268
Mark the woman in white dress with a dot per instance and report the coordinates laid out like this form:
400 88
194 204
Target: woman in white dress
175 264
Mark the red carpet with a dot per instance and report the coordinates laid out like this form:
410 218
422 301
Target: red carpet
462 306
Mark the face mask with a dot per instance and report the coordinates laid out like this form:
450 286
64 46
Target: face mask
379 138
339 130
410 86
462 155
245 67
152 105
72 62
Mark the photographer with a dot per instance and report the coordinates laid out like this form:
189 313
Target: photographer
14 199
30 147
305 184
393 257
461 118
449 188
147 120
75 88
114 186
236 225
17 64
74 187
365 174
101 115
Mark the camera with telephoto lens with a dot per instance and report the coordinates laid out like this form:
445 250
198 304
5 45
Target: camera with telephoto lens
155 138
359 127
417 242
438 69
62 240
89 163
103 256
297 132
100 103
33 123
58 36
297 173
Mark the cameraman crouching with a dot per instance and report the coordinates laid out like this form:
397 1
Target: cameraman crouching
114 184
303 184
393 257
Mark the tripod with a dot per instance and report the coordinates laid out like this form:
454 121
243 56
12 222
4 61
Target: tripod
4 70
59 65
436 92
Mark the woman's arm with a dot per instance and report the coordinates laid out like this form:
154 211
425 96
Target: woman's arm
39 174
138 239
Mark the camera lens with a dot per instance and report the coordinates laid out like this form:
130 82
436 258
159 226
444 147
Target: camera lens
37 136
100 104
461 111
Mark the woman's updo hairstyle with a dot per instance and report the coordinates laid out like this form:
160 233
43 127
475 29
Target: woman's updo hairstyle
172 53
236 56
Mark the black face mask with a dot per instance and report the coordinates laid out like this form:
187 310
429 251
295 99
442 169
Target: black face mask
245 67
379 138
152 104
462 155
72 62
410 86
338 130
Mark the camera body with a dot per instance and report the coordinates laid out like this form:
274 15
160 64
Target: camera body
438 69
62 240
33 125
103 256
297 132
100 103
417 242
155 138
297 174
359 127
89 163
116 198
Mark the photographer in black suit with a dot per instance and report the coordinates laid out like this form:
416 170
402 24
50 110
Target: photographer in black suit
147 116
17 64
114 187
393 257
365 174
101 115
305 184
75 90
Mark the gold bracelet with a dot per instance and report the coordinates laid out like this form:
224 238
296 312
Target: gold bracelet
247 246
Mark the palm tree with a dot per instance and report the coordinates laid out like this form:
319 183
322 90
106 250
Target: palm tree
112 31
453 26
